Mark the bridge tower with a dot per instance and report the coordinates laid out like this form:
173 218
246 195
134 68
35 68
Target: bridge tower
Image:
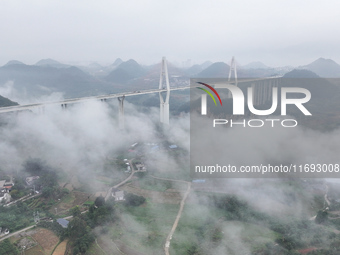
164 103
233 68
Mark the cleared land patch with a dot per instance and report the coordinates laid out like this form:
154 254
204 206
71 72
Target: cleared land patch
61 248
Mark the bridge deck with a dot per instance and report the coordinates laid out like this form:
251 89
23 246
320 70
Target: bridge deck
109 96
85 99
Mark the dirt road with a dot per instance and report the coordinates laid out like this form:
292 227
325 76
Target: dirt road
108 194
179 214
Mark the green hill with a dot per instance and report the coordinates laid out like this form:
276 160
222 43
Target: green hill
324 68
6 102
126 71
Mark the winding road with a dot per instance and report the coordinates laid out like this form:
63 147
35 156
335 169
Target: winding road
68 217
179 214
109 192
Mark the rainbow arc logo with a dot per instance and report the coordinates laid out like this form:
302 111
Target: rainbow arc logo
209 93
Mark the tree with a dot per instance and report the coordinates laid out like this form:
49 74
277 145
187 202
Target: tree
75 211
321 217
134 200
100 201
80 234
7 248
76 228
193 249
101 215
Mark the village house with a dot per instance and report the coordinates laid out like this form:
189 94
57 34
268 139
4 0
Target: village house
31 179
2 185
6 186
140 167
62 222
118 194
4 197
4 231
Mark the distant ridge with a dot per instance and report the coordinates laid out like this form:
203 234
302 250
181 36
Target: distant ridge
95 65
39 80
117 62
215 70
327 68
221 70
14 62
319 87
206 64
126 71
255 65
300 73
195 69
51 63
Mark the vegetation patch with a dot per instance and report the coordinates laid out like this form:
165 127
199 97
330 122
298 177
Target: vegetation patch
144 228
219 223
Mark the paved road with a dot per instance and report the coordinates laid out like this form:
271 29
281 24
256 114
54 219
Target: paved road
15 233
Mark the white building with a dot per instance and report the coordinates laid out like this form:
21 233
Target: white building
140 167
31 179
118 194
4 197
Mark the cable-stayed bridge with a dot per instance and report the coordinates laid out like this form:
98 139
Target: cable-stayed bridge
262 88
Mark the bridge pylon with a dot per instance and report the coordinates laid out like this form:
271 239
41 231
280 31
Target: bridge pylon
231 69
121 112
164 103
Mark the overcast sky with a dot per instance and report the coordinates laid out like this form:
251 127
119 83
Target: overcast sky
276 32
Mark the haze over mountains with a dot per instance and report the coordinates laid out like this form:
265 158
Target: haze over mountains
51 63
49 76
324 68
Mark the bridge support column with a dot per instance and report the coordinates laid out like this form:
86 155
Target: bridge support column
260 91
121 112
257 86
267 89
64 106
164 103
41 109
255 94
263 90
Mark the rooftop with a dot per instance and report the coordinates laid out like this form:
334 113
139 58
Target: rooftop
63 222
